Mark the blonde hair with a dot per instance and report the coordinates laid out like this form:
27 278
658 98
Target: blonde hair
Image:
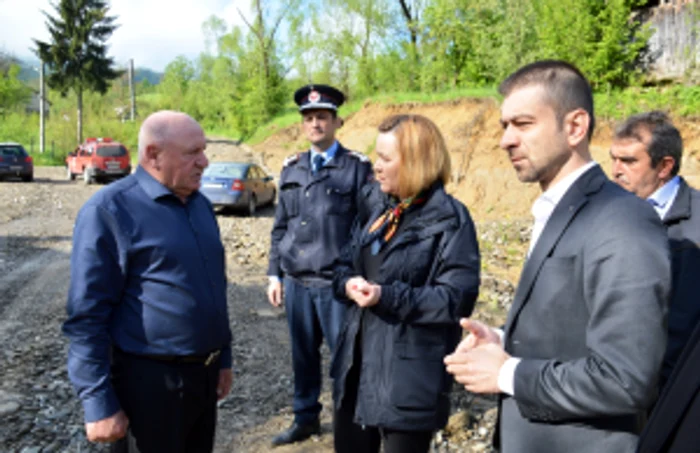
424 156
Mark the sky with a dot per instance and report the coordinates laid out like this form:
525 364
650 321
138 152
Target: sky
152 32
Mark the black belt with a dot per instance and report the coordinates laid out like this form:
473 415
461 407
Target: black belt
206 359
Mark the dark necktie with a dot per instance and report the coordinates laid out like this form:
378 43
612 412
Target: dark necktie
318 163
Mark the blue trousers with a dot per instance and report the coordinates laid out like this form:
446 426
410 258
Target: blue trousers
312 314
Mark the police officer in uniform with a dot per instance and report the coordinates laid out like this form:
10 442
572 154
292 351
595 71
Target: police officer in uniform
318 202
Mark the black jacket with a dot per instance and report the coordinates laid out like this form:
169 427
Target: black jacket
673 424
315 213
683 224
429 279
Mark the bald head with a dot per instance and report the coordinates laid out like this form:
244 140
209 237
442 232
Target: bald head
162 127
171 149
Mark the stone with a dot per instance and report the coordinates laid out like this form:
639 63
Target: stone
9 407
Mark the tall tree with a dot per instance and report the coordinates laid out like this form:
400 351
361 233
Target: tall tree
77 52
257 57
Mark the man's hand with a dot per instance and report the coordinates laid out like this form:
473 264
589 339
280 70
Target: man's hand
225 382
274 293
108 429
479 334
363 293
478 368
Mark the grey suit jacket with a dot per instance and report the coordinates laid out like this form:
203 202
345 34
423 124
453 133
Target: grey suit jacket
588 320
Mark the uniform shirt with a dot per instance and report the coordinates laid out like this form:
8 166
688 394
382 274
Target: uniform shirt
327 154
147 276
663 198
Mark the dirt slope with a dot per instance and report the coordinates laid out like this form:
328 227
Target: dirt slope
482 175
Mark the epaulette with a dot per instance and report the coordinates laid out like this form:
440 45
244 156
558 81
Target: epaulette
361 156
291 159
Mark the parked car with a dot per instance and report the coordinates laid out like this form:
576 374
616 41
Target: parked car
238 185
14 161
98 159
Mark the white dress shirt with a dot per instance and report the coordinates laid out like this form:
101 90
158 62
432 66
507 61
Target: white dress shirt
542 210
663 198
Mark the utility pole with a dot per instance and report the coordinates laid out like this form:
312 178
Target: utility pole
42 112
131 89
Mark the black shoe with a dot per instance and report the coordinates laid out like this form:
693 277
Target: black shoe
297 433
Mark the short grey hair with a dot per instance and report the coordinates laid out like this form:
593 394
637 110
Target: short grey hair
665 138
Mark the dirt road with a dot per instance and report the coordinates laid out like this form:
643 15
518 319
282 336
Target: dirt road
38 410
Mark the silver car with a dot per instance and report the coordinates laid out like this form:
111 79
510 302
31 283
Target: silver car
238 185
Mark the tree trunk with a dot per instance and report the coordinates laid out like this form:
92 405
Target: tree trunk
411 21
79 93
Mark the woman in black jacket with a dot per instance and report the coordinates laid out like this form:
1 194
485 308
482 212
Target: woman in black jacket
407 276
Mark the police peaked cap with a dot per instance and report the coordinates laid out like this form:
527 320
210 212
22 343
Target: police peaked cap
322 97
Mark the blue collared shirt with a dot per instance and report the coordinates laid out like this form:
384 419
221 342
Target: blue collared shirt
147 276
327 154
663 198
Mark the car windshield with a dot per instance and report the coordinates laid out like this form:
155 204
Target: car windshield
12 151
215 170
111 151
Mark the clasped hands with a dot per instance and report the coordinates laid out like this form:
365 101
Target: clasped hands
362 292
478 358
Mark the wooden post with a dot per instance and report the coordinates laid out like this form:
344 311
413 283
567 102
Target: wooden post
42 113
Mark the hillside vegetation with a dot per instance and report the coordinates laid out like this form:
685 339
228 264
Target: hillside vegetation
375 51
482 174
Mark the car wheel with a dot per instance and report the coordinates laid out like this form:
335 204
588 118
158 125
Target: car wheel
70 176
87 177
252 205
28 178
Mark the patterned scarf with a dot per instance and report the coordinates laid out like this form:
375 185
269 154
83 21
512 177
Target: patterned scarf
384 228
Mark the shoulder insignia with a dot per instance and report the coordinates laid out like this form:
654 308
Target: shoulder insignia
291 159
357 155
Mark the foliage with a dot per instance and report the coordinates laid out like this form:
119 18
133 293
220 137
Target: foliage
681 100
378 50
77 53
13 93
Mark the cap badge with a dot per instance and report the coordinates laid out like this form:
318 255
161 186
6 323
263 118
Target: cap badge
314 96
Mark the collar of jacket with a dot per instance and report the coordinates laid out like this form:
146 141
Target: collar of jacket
436 215
681 207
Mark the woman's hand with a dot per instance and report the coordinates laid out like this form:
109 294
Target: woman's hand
362 292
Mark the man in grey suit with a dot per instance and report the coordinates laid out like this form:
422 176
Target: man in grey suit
577 362
646 156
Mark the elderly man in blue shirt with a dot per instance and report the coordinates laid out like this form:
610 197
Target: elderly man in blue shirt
148 325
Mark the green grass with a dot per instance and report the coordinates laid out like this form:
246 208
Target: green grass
428 97
48 159
678 100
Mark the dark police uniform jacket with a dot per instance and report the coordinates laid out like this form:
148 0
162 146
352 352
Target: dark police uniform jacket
315 214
